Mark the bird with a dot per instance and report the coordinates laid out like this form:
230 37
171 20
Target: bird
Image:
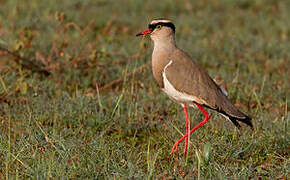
185 81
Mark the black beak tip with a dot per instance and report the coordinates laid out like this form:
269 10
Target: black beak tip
139 34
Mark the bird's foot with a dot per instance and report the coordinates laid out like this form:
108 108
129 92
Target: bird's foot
175 146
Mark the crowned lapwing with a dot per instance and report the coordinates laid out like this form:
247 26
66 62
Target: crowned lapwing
184 81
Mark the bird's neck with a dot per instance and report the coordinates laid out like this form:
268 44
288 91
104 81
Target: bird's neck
163 48
167 45
161 56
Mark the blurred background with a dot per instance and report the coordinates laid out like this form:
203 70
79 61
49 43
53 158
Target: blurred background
78 99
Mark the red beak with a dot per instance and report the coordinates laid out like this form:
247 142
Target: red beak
147 31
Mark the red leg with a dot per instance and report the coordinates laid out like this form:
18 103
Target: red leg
186 126
206 118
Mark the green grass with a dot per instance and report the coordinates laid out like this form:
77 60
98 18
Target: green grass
67 125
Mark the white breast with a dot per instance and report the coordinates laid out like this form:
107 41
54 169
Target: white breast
176 95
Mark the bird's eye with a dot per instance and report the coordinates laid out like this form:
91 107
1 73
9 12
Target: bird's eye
158 27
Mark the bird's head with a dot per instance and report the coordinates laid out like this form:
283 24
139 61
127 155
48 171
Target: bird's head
159 29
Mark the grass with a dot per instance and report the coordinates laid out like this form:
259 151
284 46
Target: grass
76 123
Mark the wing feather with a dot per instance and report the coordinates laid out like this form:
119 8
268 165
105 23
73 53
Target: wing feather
188 77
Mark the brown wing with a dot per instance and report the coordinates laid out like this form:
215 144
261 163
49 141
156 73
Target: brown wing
187 76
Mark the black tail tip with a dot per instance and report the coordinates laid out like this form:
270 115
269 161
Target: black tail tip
247 121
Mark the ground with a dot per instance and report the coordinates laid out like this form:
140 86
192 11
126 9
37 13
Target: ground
78 99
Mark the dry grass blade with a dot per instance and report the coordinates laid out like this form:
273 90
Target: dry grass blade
120 80
29 64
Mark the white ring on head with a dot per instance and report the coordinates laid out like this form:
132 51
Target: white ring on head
162 20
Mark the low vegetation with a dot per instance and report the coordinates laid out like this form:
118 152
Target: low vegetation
78 100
